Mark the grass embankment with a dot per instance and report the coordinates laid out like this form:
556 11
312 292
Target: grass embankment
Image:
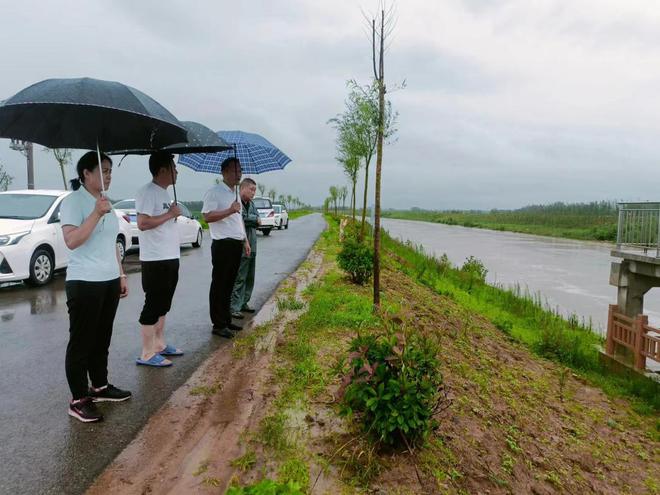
585 221
518 423
298 213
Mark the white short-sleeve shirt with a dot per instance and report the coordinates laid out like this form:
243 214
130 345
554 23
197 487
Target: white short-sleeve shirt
162 242
220 197
96 259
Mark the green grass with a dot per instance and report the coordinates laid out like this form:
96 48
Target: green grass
585 221
246 461
289 303
298 213
523 318
206 390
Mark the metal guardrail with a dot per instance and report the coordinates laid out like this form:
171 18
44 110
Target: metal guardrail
639 227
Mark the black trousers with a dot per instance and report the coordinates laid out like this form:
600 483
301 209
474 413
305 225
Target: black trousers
92 308
226 258
159 279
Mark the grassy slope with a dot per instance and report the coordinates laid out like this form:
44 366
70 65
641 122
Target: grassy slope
583 226
518 423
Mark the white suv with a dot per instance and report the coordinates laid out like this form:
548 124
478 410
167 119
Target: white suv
266 215
281 217
31 241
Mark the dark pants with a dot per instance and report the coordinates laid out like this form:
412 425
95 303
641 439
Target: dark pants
92 307
159 279
244 284
226 257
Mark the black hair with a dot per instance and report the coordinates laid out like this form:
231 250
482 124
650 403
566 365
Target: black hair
158 160
247 180
228 161
89 161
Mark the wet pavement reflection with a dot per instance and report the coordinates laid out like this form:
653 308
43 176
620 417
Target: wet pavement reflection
42 449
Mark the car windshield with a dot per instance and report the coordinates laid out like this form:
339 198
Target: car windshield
25 206
127 204
262 203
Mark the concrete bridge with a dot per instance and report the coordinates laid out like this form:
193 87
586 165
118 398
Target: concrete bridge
630 340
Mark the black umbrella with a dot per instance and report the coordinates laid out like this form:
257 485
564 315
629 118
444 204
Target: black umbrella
200 139
89 114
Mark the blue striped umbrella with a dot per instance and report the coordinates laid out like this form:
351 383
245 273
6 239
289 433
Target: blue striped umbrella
256 154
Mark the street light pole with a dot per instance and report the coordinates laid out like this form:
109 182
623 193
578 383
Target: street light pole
26 148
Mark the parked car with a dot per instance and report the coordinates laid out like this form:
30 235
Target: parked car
31 241
190 230
266 215
281 217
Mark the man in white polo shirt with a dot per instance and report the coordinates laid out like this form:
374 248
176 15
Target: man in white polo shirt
222 211
159 256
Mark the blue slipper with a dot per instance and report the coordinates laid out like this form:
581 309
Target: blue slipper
156 360
170 351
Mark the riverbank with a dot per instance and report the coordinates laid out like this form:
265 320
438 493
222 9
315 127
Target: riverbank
518 423
581 224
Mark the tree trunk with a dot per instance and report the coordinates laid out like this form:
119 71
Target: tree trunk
353 198
364 201
379 163
63 176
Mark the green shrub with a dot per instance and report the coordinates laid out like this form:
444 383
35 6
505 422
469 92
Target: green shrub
266 487
394 387
475 268
352 230
356 259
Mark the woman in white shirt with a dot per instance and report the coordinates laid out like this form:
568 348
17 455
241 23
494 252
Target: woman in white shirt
94 283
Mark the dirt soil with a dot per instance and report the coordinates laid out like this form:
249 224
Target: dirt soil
188 445
517 424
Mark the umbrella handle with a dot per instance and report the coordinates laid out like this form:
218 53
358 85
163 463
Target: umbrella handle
98 154
174 189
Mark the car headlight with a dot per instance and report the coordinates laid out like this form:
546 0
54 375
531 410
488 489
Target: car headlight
11 239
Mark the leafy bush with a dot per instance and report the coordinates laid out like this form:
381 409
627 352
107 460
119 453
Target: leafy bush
394 387
352 230
475 267
356 259
473 272
267 487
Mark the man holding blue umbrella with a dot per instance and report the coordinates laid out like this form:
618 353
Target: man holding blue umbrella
222 212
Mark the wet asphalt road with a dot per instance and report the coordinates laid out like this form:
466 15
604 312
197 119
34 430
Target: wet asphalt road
42 449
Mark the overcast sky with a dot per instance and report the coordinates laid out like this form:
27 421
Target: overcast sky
508 102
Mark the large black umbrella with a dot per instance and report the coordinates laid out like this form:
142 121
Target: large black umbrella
89 114
86 113
200 139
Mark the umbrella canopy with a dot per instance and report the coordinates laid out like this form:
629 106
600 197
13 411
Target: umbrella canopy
88 113
256 154
200 139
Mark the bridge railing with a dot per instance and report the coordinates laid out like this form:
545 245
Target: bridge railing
633 333
639 227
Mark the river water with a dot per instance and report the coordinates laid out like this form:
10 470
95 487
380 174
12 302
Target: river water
572 276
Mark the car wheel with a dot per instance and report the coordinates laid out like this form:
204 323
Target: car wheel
121 247
266 232
198 242
286 227
41 268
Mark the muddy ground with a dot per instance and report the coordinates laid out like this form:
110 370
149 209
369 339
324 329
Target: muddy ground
517 424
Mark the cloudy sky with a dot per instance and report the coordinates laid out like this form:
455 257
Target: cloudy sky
507 103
